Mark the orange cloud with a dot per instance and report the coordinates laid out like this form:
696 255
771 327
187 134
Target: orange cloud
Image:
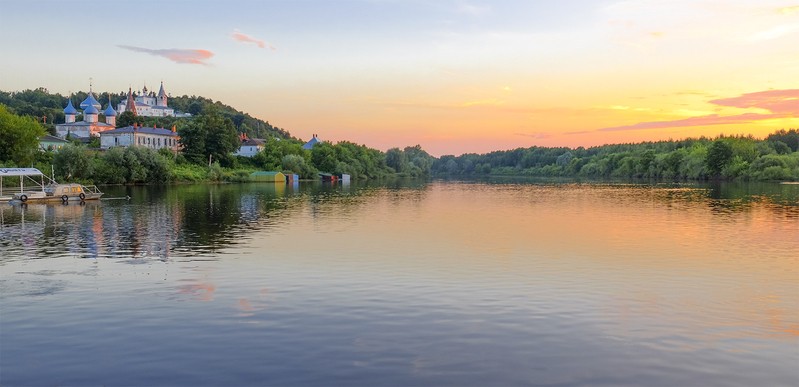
244 38
778 103
712 119
177 55
775 101
536 135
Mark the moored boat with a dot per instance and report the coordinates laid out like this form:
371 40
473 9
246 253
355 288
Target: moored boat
60 192
37 190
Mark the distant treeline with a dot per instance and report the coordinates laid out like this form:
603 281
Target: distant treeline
727 157
213 133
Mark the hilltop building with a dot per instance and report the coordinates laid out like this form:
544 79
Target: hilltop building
310 144
90 125
147 103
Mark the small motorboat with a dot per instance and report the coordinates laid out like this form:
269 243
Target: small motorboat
60 192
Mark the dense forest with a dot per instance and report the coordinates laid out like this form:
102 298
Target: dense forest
210 136
727 157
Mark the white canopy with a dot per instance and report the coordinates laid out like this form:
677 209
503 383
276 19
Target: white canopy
5 172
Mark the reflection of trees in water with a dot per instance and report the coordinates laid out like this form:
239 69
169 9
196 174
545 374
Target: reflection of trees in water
191 220
782 200
343 201
163 221
45 230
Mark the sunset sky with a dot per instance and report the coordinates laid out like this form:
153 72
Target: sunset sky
453 76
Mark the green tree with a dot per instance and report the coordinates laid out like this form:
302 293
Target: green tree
789 138
209 136
297 164
719 155
323 157
73 162
19 138
421 162
396 159
127 118
192 140
222 137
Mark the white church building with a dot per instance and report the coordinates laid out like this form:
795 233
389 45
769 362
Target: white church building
149 104
90 126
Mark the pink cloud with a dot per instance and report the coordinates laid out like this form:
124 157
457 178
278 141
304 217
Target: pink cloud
177 55
779 104
536 135
244 38
775 101
712 119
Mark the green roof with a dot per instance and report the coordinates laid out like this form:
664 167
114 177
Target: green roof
265 173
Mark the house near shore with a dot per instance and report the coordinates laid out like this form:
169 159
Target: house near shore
249 146
143 136
51 143
343 177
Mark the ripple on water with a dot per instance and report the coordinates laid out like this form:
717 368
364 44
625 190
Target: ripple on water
427 284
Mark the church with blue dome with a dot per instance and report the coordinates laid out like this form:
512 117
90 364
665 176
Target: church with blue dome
90 126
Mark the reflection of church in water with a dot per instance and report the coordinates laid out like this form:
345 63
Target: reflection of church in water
99 231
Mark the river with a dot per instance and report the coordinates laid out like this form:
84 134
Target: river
433 283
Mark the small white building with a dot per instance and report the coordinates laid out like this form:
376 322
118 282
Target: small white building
51 143
148 104
154 138
250 147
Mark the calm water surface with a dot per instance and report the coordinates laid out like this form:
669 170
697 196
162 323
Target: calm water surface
442 283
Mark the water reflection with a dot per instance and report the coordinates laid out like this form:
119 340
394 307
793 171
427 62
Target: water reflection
160 221
404 283
197 220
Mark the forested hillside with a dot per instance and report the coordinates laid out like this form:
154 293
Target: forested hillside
48 108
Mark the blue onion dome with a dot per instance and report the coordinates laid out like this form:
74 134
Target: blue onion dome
90 100
109 111
91 110
70 109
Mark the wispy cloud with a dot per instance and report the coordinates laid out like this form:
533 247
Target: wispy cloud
244 38
789 10
713 119
775 101
482 102
774 32
778 104
474 10
535 135
177 55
